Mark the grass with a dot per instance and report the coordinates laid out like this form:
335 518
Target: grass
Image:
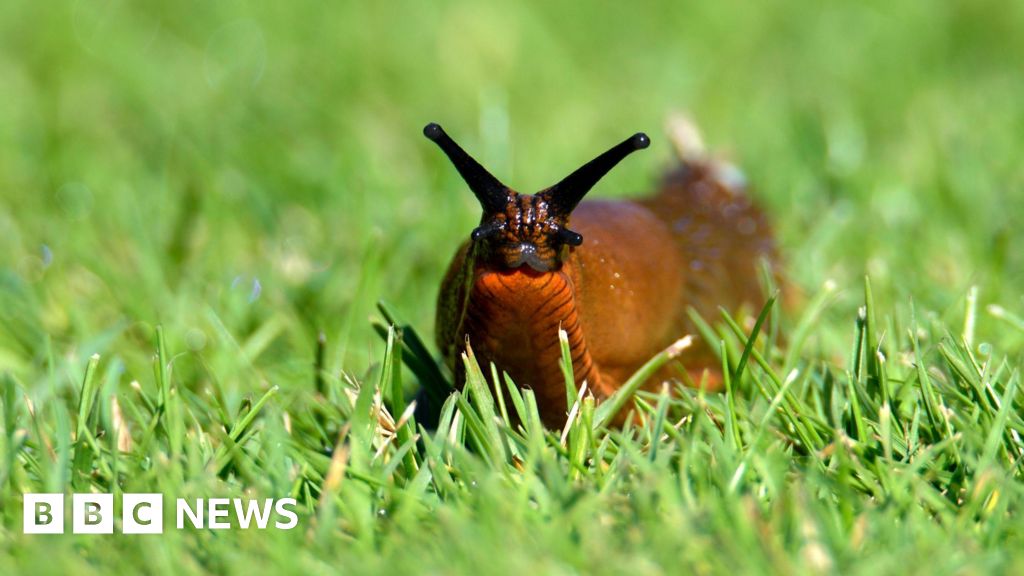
202 203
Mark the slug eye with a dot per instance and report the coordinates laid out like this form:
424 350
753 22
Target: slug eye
569 237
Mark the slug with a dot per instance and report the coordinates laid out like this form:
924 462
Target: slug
617 275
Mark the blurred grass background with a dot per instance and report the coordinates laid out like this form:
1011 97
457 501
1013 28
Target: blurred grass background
159 162
247 174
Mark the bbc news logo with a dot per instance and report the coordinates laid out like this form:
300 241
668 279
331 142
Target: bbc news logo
144 513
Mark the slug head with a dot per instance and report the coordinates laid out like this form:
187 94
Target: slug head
530 229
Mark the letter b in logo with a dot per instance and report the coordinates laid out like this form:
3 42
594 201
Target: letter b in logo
92 513
43 514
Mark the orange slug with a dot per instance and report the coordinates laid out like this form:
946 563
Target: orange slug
617 276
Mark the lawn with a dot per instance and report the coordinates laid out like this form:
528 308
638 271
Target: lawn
202 205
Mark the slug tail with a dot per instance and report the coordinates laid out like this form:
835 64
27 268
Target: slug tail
685 137
722 236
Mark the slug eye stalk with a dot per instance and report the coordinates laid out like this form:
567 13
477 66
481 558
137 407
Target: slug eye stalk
492 194
563 197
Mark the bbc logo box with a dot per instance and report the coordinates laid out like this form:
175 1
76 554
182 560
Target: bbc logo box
93 513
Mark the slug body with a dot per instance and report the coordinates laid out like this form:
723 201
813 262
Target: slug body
619 282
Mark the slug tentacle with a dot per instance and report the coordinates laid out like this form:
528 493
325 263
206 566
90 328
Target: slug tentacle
492 194
528 229
569 237
564 196
487 230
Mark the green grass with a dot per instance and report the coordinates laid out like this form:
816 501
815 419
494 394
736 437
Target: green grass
192 193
